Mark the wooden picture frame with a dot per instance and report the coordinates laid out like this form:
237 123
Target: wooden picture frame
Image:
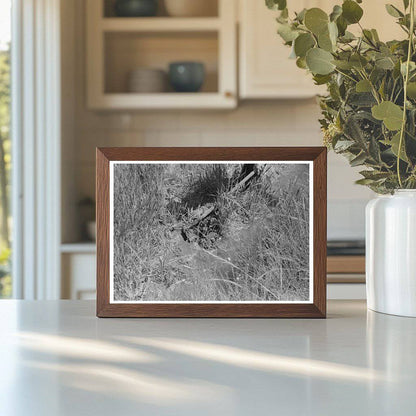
315 307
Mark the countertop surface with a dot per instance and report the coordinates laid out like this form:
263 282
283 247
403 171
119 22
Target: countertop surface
57 359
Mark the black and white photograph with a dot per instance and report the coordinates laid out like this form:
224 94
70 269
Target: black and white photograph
211 232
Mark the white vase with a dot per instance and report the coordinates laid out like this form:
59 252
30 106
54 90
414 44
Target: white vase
391 253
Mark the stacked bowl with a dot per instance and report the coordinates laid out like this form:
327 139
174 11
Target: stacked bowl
147 80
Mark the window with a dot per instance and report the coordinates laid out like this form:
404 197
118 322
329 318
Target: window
5 144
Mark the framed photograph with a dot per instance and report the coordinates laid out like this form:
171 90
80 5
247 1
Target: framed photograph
211 232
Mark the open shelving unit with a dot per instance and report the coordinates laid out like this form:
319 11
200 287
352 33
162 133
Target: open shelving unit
118 45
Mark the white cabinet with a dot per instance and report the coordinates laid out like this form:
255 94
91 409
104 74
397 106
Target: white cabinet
78 264
265 68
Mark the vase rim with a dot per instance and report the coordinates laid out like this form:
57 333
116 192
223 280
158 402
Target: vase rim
405 191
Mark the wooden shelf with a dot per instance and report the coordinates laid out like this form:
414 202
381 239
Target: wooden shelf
159 24
345 278
76 248
116 46
129 101
346 264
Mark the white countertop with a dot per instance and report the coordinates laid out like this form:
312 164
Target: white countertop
57 359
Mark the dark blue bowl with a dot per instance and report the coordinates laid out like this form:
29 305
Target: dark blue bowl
136 8
186 76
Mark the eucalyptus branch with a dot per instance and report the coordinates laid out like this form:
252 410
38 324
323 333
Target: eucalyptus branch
398 95
364 108
406 80
404 29
345 75
392 90
373 89
369 41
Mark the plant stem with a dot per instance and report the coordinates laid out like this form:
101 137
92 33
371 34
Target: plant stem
406 80
346 75
369 41
373 89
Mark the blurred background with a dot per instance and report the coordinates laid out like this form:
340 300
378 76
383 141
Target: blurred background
99 73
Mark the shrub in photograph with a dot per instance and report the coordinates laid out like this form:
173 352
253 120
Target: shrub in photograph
211 232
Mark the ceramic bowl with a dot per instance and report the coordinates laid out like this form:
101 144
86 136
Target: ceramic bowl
186 76
135 8
147 80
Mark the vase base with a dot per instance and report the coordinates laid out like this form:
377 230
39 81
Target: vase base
402 315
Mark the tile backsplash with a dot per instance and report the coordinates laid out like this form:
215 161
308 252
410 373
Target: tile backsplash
285 123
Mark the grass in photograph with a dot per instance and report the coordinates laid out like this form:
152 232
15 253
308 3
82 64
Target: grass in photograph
211 232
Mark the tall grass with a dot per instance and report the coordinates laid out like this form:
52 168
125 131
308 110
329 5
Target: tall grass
253 247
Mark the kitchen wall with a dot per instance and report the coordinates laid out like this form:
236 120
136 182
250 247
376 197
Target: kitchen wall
264 123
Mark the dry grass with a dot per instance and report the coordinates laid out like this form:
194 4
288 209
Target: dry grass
253 247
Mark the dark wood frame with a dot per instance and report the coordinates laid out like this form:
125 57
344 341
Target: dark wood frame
317 309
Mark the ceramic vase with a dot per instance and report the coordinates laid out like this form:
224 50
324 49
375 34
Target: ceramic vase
391 253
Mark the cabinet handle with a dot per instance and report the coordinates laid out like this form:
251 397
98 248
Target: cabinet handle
228 94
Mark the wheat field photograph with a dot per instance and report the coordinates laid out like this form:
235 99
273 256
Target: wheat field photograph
210 232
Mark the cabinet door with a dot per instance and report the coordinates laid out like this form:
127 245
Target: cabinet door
78 276
265 68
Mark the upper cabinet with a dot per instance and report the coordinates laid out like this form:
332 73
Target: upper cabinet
265 68
128 58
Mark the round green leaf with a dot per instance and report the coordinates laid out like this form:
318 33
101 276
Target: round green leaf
333 32
363 86
286 32
342 25
393 11
300 16
321 79
324 42
336 12
327 40
403 66
358 61
303 43
348 37
394 144
276 4
391 114
375 35
385 63
411 90
342 64
351 11
319 61
301 63
316 20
